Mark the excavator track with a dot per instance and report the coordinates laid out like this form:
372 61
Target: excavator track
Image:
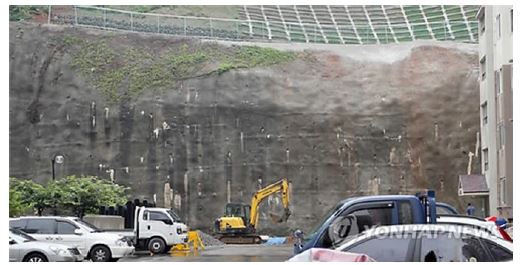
240 239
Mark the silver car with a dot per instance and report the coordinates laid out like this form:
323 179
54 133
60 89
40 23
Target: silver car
429 242
23 247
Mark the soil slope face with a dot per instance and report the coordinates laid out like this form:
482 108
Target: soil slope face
337 121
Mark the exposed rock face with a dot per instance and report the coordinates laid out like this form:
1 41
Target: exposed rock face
332 122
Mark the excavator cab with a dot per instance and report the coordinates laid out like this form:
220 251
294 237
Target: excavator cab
236 219
238 210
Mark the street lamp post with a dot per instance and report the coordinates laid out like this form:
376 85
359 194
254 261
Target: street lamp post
56 159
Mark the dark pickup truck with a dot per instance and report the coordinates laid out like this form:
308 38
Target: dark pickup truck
354 215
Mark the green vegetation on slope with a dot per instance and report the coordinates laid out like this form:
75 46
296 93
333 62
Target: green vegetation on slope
125 73
20 13
203 11
227 11
137 8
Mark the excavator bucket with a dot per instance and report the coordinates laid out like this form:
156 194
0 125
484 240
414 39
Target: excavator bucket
280 218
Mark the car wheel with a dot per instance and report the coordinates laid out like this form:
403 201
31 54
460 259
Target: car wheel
156 245
100 254
35 257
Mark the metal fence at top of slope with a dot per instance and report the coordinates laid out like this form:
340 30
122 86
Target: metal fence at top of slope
251 30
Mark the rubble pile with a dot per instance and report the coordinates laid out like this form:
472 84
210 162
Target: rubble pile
209 240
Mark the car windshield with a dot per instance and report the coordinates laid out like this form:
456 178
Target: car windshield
319 224
20 236
174 216
90 227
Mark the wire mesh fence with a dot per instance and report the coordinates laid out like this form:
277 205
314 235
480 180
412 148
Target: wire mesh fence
254 30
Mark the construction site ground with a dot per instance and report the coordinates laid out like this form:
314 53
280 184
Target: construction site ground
223 253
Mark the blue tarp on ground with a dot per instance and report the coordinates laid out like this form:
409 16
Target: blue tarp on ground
275 241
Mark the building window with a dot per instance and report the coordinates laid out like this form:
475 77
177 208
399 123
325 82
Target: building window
501 133
511 20
482 24
497 82
484 113
482 66
498 23
485 159
500 77
503 191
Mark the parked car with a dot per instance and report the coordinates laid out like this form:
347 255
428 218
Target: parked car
23 247
356 214
92 243
429 242
472 221
502 225
329 255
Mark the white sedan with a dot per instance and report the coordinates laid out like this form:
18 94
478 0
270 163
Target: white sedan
429 242
23 247
471 221
92 243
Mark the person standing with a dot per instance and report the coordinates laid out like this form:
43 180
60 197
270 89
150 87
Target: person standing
470 209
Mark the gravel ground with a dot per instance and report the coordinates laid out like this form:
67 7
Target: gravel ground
209 240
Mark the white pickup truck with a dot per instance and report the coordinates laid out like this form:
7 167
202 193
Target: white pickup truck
156 230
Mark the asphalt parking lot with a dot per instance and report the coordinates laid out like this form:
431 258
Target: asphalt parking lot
225 253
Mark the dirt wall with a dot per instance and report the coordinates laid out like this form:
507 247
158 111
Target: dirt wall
332 122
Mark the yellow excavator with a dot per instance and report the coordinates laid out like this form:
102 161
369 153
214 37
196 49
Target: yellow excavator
238 224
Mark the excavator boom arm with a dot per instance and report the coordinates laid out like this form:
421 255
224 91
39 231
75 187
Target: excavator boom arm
281 186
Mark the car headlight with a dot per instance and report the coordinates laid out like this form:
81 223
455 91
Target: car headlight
59 251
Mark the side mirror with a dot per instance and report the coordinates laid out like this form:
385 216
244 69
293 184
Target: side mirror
78 232
12 242
168 222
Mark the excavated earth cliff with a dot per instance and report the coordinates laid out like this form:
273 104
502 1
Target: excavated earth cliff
195 124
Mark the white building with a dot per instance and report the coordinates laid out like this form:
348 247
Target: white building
495 55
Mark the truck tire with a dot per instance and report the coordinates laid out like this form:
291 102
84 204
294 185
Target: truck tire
167 249
156 245
100 254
